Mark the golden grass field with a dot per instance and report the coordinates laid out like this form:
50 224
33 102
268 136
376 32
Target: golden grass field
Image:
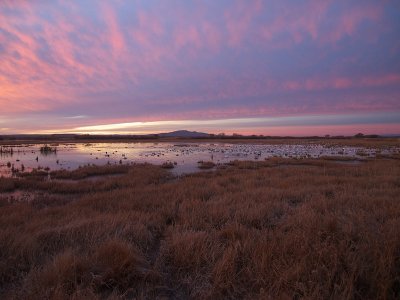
278 229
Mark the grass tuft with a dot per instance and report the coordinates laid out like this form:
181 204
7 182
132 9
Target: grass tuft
280 228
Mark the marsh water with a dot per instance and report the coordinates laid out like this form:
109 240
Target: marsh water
69 156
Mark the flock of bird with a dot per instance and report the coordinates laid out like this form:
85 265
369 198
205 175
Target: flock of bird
184 153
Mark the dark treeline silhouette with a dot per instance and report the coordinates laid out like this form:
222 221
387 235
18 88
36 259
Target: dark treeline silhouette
221 136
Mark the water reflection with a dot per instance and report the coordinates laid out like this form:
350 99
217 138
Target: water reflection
184 156
6 151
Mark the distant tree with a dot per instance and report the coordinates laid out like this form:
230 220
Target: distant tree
359 135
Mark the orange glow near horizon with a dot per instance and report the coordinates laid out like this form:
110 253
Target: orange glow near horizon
245 126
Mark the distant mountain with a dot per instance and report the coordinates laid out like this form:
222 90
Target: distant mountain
184 134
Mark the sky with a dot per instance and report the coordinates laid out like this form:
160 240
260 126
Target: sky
305 67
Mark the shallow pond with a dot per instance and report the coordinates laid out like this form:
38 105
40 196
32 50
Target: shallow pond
69 156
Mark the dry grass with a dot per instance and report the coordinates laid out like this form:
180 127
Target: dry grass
206 165
280 229
168 165
90 170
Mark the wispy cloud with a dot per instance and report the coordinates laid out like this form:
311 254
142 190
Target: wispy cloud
241 124
152 60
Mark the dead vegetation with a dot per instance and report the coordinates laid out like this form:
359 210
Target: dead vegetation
46 149
204 165
279 229
168 165
90 170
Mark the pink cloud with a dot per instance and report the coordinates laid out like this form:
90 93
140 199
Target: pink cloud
150 23
212 35
309 19
184 58
44 85
188 36
298 21
384 80
342 82
238 20
116 36
147 30
349 21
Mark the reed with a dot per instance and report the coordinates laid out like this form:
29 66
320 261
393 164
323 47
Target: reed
279 229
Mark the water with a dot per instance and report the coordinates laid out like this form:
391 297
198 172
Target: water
70 156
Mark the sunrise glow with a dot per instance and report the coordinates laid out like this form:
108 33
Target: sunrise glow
251 67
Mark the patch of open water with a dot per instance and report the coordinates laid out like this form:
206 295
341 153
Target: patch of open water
70 156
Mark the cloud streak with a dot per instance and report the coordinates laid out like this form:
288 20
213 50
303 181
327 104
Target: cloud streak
151 60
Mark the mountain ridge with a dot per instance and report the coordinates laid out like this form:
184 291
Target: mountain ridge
184 134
